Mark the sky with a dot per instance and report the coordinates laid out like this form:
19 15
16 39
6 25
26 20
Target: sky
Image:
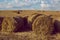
30 5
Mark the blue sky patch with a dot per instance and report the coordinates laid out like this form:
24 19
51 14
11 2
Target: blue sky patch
30 5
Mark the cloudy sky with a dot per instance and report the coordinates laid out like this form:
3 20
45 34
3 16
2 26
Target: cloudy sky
30 5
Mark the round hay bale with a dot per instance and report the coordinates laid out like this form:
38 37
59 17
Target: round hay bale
31 18
42 25
8 24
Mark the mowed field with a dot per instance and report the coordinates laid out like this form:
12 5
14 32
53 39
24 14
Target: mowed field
23 13
27 35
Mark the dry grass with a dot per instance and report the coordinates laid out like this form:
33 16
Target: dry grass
18 36
29 35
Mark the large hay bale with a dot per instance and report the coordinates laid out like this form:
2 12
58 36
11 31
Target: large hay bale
42 25
31 18
12 24
8 24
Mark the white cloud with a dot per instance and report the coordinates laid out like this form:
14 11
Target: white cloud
43 5
42 2
1 6
26 0
56 1
9 5
22 4
16 1
56 4
34 2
